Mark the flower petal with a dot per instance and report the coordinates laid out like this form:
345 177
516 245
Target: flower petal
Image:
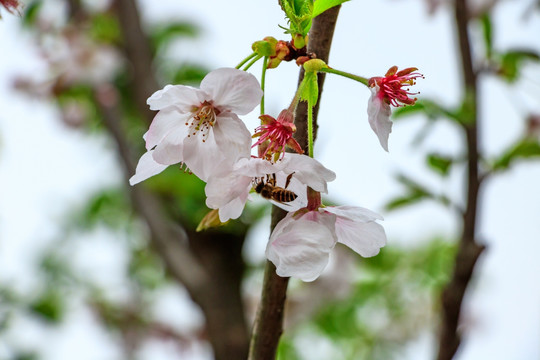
171 149
228 193
308 171
379 117
164 122
146 168
182 97
354 213
300 247
232 137
232 90
356 228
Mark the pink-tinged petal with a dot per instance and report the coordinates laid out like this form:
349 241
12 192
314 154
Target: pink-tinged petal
204 158
171 149
300 247
228 193
164 122
354 213
146 168
181 97
232 90
379 117
364 238
232 137
308 171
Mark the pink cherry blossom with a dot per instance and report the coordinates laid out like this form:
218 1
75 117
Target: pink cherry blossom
200 127
301 243
229 191
274 135
386 91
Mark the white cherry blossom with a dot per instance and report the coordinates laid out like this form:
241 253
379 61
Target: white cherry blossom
229 191
200 127
301 243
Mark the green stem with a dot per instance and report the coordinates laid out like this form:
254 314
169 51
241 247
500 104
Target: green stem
310 128
257 58
246 60
263 80
360 79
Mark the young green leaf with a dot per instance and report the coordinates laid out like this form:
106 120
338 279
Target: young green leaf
309 89
321 6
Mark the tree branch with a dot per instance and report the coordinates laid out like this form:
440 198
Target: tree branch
469 250
268 325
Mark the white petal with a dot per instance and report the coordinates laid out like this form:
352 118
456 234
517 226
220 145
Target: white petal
164 122
171 149
232 90
357 229
228 193
300 247
204 158
232 137
379 117
308 171
146 168
181 97
354 213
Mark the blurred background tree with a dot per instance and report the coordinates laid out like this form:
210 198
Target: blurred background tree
193 293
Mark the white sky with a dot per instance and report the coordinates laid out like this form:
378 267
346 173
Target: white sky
44 167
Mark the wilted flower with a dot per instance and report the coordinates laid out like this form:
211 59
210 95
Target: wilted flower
275 134
301 242
200 127
229 191
385 91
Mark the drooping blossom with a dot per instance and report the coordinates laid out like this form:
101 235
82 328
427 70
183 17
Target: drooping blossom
275 134
200 128
392 89
13 6
229 191
301 243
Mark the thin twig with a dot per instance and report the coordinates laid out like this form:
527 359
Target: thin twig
268 325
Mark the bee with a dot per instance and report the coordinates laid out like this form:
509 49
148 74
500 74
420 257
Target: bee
268 189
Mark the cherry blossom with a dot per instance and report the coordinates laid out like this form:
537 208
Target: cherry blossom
200 127
229 191
301 243
386 91
274 135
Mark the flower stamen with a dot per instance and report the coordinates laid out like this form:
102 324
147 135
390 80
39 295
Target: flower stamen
204 117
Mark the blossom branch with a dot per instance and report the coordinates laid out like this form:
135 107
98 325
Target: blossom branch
469 250
268 325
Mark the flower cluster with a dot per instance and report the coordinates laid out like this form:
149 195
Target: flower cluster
200 129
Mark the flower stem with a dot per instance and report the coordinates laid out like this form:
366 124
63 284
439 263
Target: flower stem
246 60
263 80
257 58
310 128
360 79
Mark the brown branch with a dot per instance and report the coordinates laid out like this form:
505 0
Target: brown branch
137 50
469 250
268 325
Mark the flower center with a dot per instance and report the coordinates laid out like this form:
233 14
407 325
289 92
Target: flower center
204 117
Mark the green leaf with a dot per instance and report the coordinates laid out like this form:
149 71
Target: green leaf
104 27
512 61
50 306
299 15
165 34
309 88
31 12
321 6
439 163
524 149
403 201
488 34
429 108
